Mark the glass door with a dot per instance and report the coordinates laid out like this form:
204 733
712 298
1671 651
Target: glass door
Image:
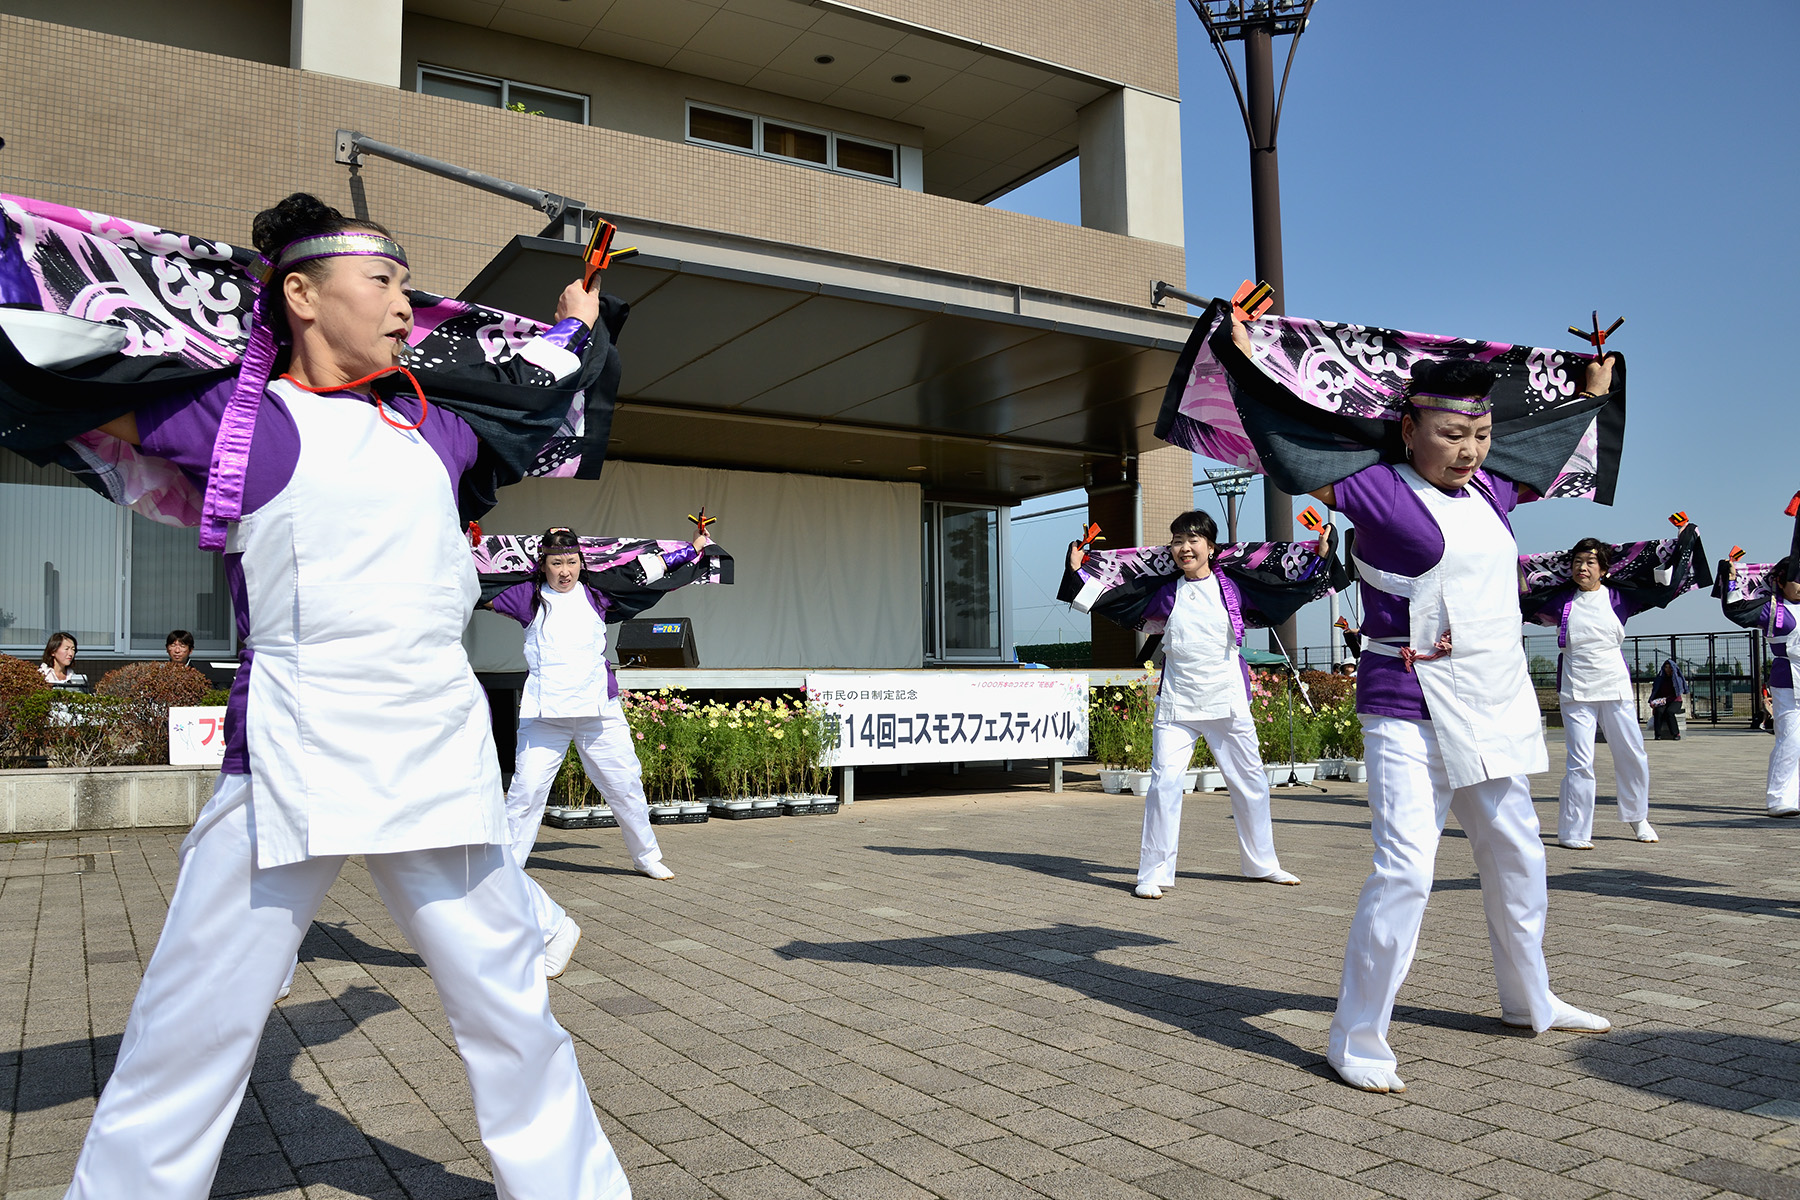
965 610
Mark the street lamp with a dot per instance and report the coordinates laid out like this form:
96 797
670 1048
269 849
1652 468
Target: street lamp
1229 484
1256 23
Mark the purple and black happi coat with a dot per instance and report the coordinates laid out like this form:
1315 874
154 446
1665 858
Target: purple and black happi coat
1320 400
1642 576
1273 581
615 567
182 307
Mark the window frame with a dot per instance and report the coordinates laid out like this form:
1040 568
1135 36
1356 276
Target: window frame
506 86
756 142
934 606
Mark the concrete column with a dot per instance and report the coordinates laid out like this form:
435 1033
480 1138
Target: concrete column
1133 506
1130 153
1166 483
353 39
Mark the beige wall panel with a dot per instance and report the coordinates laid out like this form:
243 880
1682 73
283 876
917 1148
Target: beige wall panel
1129 41
92 120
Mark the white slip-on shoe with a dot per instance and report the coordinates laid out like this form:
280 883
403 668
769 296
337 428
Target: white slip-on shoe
1643 831
1147 891
1279 876
1367 1079
1566 1019
1785 812
1395 1083
655 870
283 993
1575 845
561 948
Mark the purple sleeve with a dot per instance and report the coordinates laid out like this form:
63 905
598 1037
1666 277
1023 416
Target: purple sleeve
679 556
570 333
1777 612
515 602
182 429
1393 530
1162 602
1505 492
1623 608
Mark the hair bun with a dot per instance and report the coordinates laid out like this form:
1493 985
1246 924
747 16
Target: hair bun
1452 377
300 215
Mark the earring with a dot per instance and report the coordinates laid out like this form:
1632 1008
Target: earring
1409 454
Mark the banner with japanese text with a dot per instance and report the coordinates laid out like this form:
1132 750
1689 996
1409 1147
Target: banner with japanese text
952 716
196 736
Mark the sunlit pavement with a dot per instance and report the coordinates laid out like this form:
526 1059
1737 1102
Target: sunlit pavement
948 990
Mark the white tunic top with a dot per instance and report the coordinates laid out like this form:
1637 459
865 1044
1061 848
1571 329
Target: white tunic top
367 731
1482 705
565 648
1202 678
1593 668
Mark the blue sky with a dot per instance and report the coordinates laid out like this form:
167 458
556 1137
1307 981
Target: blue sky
1499 171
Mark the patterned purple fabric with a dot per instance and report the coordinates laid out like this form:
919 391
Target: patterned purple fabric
192 298
1291 569
1551 569
1361 372
513 554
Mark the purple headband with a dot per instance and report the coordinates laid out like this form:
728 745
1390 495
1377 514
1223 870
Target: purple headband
364 243
237 426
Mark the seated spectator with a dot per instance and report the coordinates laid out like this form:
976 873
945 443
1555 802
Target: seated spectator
57 663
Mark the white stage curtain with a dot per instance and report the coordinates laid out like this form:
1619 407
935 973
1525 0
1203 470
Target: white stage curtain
828 570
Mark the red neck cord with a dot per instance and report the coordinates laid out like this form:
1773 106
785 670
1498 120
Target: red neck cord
424 405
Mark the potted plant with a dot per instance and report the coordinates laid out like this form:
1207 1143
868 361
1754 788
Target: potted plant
1120 717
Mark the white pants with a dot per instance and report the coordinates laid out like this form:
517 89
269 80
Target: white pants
1409 796
1631 767
1233 742
1784 759
604 743
230 935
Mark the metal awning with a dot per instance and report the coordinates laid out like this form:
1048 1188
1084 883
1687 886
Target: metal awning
755 355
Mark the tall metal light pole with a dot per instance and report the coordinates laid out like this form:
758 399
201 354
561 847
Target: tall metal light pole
1229 484
1257 23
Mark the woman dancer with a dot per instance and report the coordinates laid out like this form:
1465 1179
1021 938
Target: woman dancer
1595 690
355 727
572 695
1450 720
1778 617
1205 693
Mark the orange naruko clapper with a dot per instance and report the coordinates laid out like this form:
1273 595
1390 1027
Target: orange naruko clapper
702 521
474 533
1089 536
1678 520
1737 554
1342 623
1309 517
1252 300
599 254
1793 506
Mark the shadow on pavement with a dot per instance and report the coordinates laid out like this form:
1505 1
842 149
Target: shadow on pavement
1648 885
333 1153
1065 954
1734 1072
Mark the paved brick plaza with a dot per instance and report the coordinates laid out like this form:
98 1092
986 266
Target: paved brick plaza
954 994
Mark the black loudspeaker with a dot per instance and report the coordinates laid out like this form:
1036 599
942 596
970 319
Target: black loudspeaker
668 642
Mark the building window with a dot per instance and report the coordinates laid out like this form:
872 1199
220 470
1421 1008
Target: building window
503 93
71 560
768 138
965 595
